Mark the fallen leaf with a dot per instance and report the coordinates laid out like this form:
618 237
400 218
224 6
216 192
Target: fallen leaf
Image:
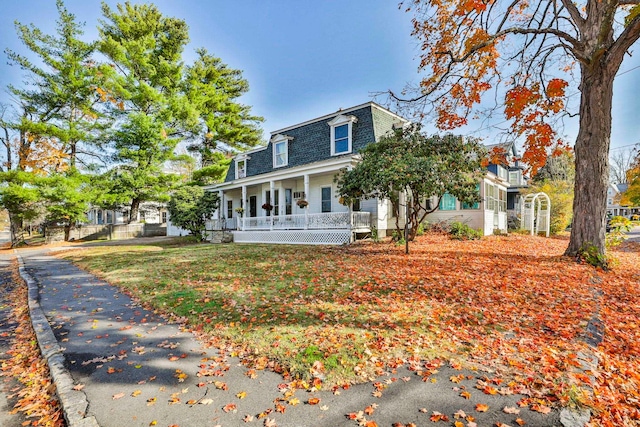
230 407
460 414
117 396
540 408
438 416
481 407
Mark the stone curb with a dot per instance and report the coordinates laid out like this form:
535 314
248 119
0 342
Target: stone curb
74 403
592 336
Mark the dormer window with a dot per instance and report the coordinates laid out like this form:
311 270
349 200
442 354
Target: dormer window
241 168
280 145
341 134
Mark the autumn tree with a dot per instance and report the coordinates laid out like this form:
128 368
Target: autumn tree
190 207
631 197
422 168
524 50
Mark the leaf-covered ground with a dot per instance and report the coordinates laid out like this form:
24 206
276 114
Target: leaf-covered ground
34 395
512 305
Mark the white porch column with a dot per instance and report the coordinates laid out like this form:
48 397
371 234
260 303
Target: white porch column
243 203
271 201
221 205
306 196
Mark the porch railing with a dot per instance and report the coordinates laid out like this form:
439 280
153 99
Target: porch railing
222 224
316 221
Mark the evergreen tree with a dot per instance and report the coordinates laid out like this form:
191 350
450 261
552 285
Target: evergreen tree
160 101
61 101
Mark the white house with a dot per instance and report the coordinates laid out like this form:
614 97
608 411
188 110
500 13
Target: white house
285 192
149 212
614 208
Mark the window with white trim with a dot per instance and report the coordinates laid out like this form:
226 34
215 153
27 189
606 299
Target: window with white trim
229 208
241 168
280 144
342 134
326 199
514 177
280 154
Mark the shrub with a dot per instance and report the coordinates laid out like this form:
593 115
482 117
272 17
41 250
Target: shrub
443 227
375 236
619 225
590 254
462 231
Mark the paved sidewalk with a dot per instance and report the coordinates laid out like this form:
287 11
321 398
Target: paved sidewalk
136 369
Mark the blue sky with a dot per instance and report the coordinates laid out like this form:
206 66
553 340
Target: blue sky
304 59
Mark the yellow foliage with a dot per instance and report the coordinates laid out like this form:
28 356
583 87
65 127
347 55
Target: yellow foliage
43 155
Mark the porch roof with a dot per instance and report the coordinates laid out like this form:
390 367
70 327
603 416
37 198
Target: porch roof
316 168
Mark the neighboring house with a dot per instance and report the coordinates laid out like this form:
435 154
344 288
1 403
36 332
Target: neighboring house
500 192
285 192
614 208
149 212
513 171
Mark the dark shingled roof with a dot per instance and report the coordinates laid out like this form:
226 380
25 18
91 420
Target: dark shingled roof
311 141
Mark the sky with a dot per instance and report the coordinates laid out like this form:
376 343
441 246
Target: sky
304 59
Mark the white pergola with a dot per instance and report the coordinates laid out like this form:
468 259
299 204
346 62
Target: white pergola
536 213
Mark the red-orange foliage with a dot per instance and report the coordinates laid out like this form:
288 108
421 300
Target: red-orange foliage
473 292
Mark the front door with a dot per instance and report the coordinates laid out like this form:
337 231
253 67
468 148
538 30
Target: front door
253 206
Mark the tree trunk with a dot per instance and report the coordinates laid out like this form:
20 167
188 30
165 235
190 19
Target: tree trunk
135 207
592 160
67 232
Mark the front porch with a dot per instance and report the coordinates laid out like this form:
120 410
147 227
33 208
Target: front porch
308 228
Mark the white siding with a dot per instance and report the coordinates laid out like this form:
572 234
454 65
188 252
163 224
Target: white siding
173 230
315 197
